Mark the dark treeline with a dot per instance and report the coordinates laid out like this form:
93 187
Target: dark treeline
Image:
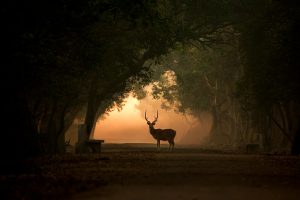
246 77
62 58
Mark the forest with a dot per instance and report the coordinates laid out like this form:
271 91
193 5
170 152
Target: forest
67 59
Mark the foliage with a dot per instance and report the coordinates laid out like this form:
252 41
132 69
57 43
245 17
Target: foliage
257 66
203 81
61 56
270 85
64 55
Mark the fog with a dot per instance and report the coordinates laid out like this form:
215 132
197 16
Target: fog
129 125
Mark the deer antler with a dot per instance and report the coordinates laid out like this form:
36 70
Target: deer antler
146 116
156 117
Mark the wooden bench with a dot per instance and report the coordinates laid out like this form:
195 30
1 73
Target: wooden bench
94 145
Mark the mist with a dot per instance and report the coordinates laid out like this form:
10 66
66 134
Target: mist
129 126
223 74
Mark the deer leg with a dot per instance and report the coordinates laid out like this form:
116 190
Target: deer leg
158 145
172 145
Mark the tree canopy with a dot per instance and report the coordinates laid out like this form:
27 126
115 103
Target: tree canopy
245 74
65 55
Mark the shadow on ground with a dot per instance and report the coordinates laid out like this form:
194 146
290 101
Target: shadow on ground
140 172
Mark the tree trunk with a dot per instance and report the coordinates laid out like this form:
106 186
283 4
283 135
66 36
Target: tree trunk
18 138
296 143
91 113
216 129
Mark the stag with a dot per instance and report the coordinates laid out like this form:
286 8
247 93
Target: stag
161 134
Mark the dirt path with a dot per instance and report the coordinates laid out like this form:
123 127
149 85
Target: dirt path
190 175
139 172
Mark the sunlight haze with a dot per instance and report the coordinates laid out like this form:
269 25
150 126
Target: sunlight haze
129 125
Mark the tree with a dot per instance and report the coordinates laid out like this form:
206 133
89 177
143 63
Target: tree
204 81
61 56
42 70
269 87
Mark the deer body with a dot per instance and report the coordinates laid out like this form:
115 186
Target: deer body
161 134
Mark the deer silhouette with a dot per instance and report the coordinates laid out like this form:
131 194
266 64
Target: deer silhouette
161 134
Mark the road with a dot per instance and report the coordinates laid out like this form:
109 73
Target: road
139 173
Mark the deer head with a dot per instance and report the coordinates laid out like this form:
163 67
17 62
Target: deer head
151 124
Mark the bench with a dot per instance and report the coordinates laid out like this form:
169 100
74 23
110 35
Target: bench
94 146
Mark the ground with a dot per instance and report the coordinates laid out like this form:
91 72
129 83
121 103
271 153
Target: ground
140 172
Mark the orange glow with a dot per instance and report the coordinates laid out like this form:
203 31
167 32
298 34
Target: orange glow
129 125
124 126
